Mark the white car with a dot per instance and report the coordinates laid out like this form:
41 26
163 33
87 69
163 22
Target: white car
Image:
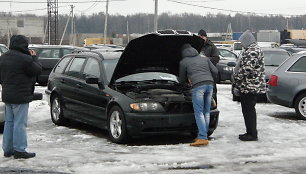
1 111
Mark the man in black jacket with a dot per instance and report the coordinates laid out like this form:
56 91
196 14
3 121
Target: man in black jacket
209 49
19 68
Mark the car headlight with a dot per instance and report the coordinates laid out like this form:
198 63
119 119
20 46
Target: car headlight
145 107
227 68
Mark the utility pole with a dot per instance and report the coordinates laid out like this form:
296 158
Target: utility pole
155 15
72 26
52 21
105 23
127 31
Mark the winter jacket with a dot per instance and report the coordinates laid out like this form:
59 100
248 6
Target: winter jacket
249 73
195 67
18 72
210 50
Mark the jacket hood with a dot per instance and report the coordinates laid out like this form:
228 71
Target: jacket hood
247 39
154 53
189 51
19 43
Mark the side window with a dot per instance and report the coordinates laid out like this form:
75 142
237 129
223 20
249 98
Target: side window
75 67
299 65
92 68
67 51
3 49
61 65
49 53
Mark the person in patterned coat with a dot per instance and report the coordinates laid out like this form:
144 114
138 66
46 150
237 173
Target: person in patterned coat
248 81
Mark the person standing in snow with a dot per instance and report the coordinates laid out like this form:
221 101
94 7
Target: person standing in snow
19 68
248 81
199 72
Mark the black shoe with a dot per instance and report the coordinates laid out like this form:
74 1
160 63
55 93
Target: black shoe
241 135
8 154
247 137
24 155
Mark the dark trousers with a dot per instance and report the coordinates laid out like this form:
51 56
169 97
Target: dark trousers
248 102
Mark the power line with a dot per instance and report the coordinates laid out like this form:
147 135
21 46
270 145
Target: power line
22 11
227 10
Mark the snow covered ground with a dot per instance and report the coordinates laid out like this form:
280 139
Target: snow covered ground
82 149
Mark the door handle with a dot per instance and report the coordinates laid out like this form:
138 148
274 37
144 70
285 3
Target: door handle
79 85
62 81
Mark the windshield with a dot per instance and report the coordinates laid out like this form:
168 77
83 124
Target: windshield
275 58
149 76
109 65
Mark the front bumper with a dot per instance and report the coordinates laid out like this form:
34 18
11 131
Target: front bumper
152 123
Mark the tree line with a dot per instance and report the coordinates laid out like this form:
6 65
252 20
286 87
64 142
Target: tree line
143 23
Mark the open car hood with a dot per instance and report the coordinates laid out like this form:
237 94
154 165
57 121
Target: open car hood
154 53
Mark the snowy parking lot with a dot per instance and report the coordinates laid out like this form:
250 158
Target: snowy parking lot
82 149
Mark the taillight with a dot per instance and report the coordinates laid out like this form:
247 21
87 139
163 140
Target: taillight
273 80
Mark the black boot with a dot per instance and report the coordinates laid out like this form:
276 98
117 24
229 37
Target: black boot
247 137
25 155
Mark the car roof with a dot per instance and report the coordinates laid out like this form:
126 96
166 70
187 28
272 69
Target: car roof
52 46
100 55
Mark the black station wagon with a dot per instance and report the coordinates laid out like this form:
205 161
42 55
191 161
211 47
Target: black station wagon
129 94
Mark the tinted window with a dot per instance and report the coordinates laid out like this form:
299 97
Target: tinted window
49 53
275 58
226 53
62 64
75 67
109 65
67 51
92 68
299 66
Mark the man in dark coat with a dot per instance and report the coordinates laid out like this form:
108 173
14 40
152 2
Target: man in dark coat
209 49
19 68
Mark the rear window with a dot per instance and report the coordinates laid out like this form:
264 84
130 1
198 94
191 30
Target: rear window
299 66
275 58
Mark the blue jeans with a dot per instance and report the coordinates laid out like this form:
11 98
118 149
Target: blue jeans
14 133
201 100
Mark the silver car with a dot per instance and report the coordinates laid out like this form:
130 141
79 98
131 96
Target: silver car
287 85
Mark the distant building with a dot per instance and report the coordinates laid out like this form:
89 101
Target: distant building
30 26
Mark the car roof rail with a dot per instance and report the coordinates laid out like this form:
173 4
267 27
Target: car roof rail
173 32
88 51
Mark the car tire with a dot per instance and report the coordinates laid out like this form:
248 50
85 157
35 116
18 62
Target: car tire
300 106
116 124
57 111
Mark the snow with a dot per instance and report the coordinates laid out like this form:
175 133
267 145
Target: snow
82 149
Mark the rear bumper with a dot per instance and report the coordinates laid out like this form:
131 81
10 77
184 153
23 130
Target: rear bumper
144 123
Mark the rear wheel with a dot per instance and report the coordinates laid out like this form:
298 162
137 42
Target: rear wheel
57 112
300 106
117 125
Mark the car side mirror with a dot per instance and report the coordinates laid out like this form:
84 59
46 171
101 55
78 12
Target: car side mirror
94 80
232 64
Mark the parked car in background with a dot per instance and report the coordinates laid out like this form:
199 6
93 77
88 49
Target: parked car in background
293 50
226 64
49 55
3 49
1 111
287 85
273 57
105 47
136 94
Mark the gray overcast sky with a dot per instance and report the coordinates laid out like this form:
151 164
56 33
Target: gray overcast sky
125 7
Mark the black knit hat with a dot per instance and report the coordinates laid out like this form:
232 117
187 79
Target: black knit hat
202 33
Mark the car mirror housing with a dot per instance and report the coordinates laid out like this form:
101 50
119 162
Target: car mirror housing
233 64
94 80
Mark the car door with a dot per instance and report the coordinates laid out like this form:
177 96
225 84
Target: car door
93 99
69 85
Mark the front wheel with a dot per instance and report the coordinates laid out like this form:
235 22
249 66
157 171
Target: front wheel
57 112
300 106
117 125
